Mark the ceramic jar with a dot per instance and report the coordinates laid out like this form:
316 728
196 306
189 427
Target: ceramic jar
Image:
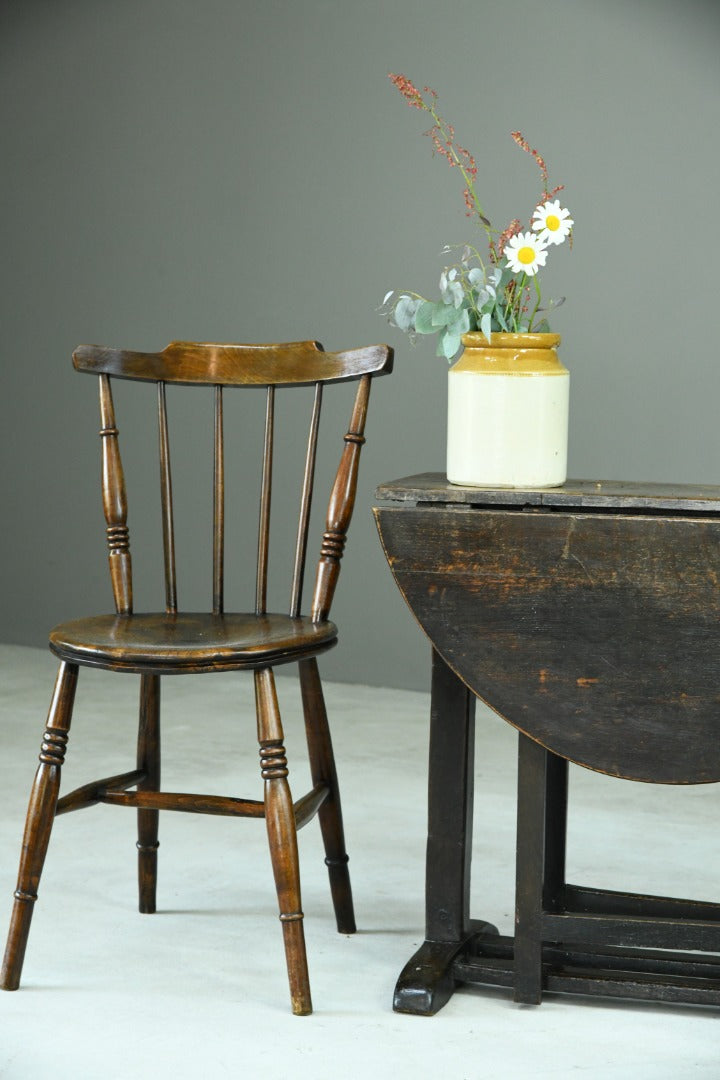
508 412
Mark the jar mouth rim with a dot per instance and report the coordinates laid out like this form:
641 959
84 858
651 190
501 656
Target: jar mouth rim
501 340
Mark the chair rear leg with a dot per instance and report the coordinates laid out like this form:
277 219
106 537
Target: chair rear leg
39 822
282 837
148 759
323 771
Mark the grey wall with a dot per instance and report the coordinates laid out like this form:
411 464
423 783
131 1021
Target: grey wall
244 171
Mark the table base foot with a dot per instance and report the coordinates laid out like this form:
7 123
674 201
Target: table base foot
427 982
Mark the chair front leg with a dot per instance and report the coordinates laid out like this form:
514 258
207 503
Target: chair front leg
39 822
148 760
323 771
282 837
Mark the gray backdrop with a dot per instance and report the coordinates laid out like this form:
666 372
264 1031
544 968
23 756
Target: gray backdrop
242 170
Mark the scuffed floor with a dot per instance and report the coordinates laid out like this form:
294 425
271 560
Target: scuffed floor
199 989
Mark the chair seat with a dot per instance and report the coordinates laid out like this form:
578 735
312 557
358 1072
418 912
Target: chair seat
189 641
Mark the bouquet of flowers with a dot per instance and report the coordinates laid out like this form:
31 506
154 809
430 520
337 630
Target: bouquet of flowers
502 291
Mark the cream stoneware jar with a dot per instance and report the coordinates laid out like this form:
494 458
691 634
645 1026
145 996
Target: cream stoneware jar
508 412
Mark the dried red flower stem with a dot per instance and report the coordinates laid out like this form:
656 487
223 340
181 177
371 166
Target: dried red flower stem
442 135
411 93
513 229
525 145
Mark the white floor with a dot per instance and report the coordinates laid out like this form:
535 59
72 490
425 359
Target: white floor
199 989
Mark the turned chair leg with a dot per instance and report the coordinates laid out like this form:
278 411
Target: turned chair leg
148 760
322 766
39 822
282 837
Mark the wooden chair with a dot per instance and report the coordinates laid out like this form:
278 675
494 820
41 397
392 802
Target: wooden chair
175 642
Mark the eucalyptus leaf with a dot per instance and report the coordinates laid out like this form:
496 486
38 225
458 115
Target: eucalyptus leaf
486 325
461 323
423 318
442 315
457 293
405 310
450 344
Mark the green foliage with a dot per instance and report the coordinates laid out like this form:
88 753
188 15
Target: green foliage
472 297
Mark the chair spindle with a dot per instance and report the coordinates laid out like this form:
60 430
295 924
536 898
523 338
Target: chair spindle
115 504
265 499
340 507
306 505
167 504
219 508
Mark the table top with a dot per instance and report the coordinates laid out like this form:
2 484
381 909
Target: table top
588 495
587 617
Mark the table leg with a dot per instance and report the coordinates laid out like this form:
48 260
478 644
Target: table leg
540 859
426 983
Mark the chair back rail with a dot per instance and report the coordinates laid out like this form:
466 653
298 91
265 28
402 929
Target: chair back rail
269 366
299 363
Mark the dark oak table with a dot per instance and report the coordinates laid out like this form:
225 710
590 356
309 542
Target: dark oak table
587 617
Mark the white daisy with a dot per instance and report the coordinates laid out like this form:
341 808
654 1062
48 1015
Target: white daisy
552 222
526 253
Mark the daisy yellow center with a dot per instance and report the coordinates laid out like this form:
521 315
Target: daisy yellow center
552 222
526 255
